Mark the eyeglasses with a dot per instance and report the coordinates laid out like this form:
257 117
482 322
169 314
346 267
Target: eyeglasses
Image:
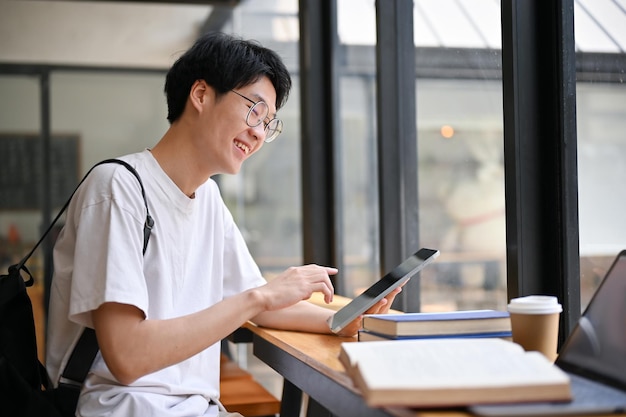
258 114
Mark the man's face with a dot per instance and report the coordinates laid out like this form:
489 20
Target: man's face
227 140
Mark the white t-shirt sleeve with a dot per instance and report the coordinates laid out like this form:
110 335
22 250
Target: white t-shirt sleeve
108 257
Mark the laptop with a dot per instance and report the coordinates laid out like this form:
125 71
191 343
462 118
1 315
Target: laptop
594 356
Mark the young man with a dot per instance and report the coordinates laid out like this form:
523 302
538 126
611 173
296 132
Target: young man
159 316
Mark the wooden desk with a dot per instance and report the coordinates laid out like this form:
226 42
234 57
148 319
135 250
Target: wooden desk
309 363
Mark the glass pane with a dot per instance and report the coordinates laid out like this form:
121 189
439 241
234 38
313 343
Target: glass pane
19 119
601 122
461 184
21 185
111 113
265 197
361 263
460 153
359 178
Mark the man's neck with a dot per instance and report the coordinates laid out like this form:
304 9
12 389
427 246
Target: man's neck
178 162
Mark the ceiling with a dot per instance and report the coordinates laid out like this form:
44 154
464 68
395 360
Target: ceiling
151 34
99 33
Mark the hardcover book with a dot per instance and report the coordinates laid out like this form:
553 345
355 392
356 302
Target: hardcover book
452 322
367 336
451 372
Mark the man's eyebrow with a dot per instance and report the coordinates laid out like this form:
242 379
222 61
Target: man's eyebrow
258 97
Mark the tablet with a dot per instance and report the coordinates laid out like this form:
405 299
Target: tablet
381 288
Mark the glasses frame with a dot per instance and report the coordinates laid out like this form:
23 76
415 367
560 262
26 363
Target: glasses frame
279 123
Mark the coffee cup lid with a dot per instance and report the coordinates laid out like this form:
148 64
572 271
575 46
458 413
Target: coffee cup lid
535 304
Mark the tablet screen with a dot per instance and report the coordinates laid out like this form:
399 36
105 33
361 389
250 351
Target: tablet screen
381 288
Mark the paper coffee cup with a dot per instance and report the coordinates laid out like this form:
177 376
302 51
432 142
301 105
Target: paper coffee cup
535 323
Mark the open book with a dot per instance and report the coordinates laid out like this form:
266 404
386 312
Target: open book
451 372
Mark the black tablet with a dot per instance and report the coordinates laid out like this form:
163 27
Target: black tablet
381 288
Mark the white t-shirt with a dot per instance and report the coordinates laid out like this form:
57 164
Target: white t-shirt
196 257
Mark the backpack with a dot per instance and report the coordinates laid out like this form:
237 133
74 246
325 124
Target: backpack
25 387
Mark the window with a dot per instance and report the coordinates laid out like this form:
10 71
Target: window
601 123
459 150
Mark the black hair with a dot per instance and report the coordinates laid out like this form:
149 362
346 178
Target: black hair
224 62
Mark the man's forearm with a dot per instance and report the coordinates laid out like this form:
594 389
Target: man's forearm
302 316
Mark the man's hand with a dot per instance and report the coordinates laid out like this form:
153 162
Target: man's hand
297 284
382 307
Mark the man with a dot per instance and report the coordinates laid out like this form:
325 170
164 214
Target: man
159 316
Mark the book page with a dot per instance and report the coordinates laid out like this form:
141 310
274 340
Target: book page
449 363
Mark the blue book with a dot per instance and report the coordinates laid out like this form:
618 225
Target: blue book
367 336
437 324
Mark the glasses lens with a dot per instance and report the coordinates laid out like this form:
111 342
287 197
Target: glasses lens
257 113
273 129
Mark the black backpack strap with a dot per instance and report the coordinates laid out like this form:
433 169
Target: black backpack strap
86 348
81 359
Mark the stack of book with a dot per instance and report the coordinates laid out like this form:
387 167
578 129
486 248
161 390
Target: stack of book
452 324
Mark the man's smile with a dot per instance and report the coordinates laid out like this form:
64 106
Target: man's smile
245 148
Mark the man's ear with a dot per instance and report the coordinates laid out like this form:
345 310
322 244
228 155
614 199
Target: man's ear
199 94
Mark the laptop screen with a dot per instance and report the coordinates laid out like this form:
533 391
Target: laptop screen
596 347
